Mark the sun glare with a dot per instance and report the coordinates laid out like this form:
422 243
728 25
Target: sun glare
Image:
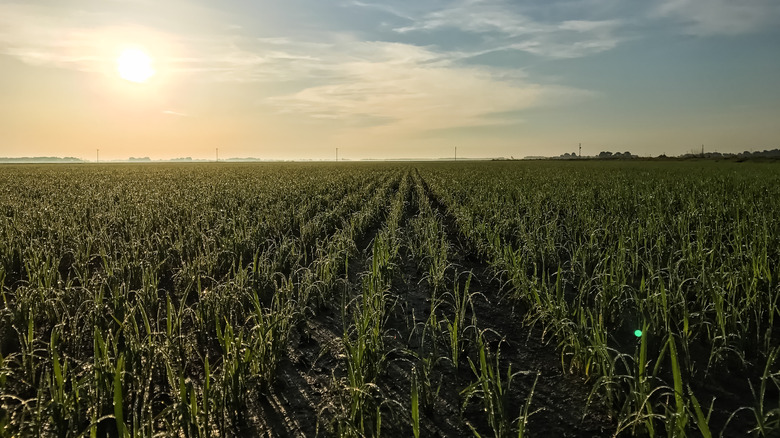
134 65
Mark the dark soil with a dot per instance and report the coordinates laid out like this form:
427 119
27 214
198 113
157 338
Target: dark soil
308 390
306 394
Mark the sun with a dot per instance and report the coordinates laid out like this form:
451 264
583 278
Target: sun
134 65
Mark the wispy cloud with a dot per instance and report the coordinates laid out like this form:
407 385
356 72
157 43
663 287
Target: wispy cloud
231 58
36 36
44 36
384 8
382 86
404 88
722 17
175 113
505 27
478 17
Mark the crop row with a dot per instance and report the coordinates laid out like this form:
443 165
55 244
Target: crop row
158 301
653 281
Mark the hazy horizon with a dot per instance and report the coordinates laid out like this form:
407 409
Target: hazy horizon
387 80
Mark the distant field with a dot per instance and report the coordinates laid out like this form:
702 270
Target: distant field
397 299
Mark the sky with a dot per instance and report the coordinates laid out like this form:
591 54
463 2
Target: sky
393 79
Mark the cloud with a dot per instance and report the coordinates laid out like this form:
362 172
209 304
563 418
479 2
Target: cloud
504 27
226 58
477 17
383 8
404 88
34 35
51 37
392 88
722 17
174 113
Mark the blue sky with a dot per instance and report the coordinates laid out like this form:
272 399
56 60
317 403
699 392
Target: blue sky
390 79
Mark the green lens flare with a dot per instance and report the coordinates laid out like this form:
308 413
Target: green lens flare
638 333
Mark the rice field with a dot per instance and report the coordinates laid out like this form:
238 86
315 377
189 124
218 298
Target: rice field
570 299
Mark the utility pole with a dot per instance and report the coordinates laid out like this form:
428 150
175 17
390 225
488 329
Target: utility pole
97 156
337 154
456 153
217 155
702 150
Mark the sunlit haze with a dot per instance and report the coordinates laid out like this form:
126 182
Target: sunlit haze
391 79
